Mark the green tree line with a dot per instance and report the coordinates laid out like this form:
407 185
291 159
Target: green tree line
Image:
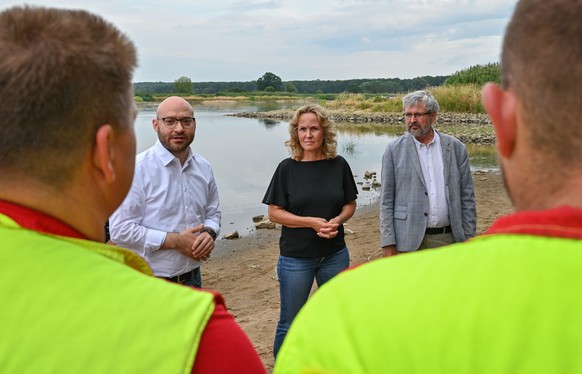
270 82
379 85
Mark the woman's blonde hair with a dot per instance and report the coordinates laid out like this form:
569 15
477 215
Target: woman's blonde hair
327 125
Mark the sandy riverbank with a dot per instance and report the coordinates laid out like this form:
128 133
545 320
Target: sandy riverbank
245 273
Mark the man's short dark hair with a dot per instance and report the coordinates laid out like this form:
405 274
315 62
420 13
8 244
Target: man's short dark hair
541 62
63 73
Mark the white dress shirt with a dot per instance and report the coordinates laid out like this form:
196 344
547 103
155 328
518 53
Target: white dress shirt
431 162
165 197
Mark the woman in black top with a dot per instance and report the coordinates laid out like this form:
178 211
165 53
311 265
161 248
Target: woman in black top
312 194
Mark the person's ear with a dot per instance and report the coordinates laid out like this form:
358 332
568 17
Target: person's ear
501 107
155 124
433 117
103 153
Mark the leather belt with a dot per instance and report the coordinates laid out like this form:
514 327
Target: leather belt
182 277
438 230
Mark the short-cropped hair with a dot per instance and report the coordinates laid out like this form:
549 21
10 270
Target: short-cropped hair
541 63
63 73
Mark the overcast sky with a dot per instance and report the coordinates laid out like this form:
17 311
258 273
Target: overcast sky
240 40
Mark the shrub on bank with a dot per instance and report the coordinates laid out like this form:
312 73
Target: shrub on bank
478 74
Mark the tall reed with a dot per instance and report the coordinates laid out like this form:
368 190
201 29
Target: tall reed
453 98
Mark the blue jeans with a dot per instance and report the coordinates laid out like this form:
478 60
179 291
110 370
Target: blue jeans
196 280
295 281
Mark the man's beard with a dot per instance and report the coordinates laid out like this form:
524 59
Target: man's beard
420 132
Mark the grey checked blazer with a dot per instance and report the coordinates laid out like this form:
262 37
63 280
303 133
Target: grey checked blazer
404 197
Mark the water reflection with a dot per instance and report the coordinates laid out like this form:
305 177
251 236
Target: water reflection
269 122
379 129
482 157
350 148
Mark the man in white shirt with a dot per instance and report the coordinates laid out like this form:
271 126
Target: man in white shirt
427 197
171 215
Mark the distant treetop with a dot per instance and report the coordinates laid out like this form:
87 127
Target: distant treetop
478 74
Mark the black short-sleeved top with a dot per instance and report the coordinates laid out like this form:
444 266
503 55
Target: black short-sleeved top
314 189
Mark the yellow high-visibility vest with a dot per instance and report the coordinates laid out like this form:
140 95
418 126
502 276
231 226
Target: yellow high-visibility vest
76 306
496 304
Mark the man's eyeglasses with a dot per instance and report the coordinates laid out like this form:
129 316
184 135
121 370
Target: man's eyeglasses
171 122
417 115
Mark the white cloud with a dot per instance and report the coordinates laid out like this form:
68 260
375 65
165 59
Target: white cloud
227 40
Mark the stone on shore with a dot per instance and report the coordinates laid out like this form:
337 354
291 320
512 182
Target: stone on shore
232 235
262 222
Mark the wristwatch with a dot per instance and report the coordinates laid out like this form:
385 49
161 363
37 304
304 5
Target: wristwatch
210 231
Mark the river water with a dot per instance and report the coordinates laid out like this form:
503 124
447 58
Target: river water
244 153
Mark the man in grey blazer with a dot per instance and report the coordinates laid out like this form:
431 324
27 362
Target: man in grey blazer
427 197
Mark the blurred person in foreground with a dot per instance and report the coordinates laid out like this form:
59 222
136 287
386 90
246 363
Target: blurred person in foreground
312 194
427 198
503 302
170 216
67 148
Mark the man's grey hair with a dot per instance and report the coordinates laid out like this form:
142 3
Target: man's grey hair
430 103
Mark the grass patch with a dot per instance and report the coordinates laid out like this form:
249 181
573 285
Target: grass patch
350 147
456 98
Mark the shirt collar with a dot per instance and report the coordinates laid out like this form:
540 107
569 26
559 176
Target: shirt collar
166 156
562 222
37 221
